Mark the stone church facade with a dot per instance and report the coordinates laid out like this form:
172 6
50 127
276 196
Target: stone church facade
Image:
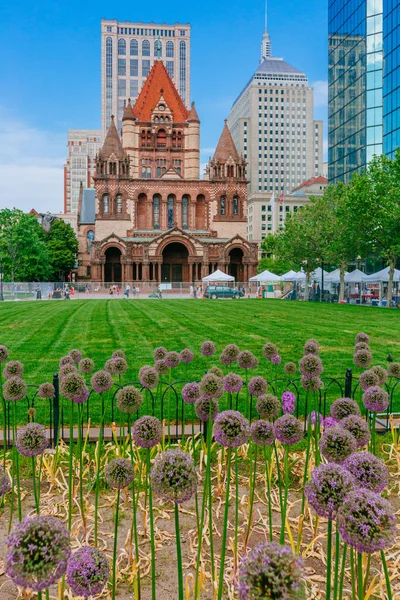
151 218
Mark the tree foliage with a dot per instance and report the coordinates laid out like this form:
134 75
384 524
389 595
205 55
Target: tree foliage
62 248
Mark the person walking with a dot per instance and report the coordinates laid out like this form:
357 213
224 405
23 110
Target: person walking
127 290
49 292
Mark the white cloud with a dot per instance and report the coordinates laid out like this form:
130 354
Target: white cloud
31 166
320 94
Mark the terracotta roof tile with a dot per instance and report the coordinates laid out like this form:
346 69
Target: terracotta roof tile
318 179
226 146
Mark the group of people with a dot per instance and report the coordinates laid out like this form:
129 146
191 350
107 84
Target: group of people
195 291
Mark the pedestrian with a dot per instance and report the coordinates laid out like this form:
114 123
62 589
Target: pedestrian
86 289
138 291
191 291
66 293
38 293
127 290
134 291
117 290
49 292
195 293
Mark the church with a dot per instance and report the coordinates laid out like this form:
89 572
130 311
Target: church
150 218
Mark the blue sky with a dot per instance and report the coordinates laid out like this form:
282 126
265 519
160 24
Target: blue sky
50 74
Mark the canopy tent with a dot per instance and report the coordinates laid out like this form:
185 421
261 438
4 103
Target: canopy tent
382 276
355 276
218 276
317 274
289 276
334 276
266 277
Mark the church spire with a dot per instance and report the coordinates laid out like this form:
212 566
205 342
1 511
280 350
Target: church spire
266 40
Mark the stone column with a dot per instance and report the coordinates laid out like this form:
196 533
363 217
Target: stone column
145 271
164 214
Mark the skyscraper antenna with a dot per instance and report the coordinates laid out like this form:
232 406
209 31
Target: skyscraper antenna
266 15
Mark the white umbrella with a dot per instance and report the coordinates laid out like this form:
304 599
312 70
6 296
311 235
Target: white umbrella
218 275
266 277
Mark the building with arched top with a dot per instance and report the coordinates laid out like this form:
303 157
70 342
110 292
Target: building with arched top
151 217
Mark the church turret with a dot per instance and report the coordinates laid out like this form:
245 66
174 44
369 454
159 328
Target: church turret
112 161
130 137
226 163
192 170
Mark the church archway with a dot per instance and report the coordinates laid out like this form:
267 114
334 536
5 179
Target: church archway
175 266
236 268
113 267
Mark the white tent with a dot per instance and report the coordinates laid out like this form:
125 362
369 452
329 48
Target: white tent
218 276
382 276
266 277
334 276
289 276
355 276
317 274
300 276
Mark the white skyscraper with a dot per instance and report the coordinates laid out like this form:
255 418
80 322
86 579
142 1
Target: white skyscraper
80 165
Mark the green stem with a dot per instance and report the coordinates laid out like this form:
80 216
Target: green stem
114 565
267 471
337 559
253 476
373 440
34 484
40 477
342 571
134 504
225 531
285 499
16 458
169 404
367 570
387 578
360 576
98 471
235 558
200 535
71 452
278 471
152 543
305 477
178 553
210 494
81 498
329 562
353 581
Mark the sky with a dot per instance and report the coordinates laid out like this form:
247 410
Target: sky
50 74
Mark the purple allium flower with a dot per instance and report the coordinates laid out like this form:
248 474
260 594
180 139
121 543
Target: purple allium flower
101 381
160 353
73 387
311 384
310 366
288 402
315 417
362 358
119 354
186 356
233 383
270 571
161 367
329 422
361 346
129 399
343 408
268 407
232 351
207 348
262 433
14 368
257 386
147 432
381 373
172 359
276 359
5 485
370 472
270 350
394 369
225 360
358 427
120 365
38 552
336 444
109 366
119 473
76 356
376 399
191 392
202 408
290 368
173 476
231 429
46 390
87 571
86 365
247 360
14 389
327 488
66 370
148 377
288 430
366 521
311 347
31 440
362 337
66 360
211 386
3 354
368 379
216 371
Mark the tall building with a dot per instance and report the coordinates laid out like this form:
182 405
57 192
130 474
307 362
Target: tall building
364 83
80 165
272 124
128 52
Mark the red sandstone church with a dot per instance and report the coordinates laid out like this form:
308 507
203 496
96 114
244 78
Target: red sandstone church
150 216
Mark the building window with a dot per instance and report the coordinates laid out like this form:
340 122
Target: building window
171 207
161 138
170 68
121 46
145 68
119 203
109 74
121 87
134 88
185 212
122 66
170 49
105 203
134 67
90 239
134 48
222 205
182 69
156 212
146 48
235 206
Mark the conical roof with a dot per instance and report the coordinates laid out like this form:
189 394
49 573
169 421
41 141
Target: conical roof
193 117
226 147
112 143
128 113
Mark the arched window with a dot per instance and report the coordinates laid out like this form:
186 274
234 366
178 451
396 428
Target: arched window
148 172
134 48
157 48
235 206
230 170
156 119
158 171
185 212
171 210
143 136
179 139
174 139
144 172
222 205
156 212
161 138
146 48
118 202
121 46
105 203
170 49
90 239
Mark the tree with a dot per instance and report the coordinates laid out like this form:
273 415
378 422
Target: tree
62 248
270 261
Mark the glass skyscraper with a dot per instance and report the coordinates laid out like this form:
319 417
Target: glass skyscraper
364 83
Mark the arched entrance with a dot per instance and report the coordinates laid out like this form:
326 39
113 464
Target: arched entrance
175 267
113 268
236 264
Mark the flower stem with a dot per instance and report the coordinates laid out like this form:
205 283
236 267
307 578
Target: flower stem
268 477
114 565
337 559
134 503
360 576
80 454
329 561
387 578
342 571
34 484
98 470
16 459
210 494
373 439
353 582
235 558
200 536
71 452
225 531
152 544
253 476
285 499
178 553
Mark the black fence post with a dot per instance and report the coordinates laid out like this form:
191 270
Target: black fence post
348 386
56 409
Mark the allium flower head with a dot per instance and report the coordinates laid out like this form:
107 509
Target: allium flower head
3 354
66 370
329 422
46 390
31 440
290 368
366 521
38 552
161 367
172 359
276 359
148 377
73 387
101 381
270 571
370 472
336 444
119 354
288 429
381 373
269 350
5 485
247 360
66 360
87 571
147 432
211 386
232 351
311 347
120 365
14 389
233 383
376 399
191 392
173 476
361 346
310 366
262 433
109 366
76 356
257 386
160 353
119 473
186 356
362 337
231 429
368 379
202 408
311 384
216 371
358 427
362 358
268 407
225 359
343 408
86 365
207 348
288 402
14 368
394 369
129 399
327 488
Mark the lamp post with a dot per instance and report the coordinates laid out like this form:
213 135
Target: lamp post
1 281
322 280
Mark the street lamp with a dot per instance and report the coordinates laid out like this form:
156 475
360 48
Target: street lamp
1 281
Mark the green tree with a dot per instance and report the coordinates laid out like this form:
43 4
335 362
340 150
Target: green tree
62 248
270 261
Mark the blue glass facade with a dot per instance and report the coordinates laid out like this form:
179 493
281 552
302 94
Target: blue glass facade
391 80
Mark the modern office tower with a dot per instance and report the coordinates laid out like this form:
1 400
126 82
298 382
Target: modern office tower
128 51
364 92
80 166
